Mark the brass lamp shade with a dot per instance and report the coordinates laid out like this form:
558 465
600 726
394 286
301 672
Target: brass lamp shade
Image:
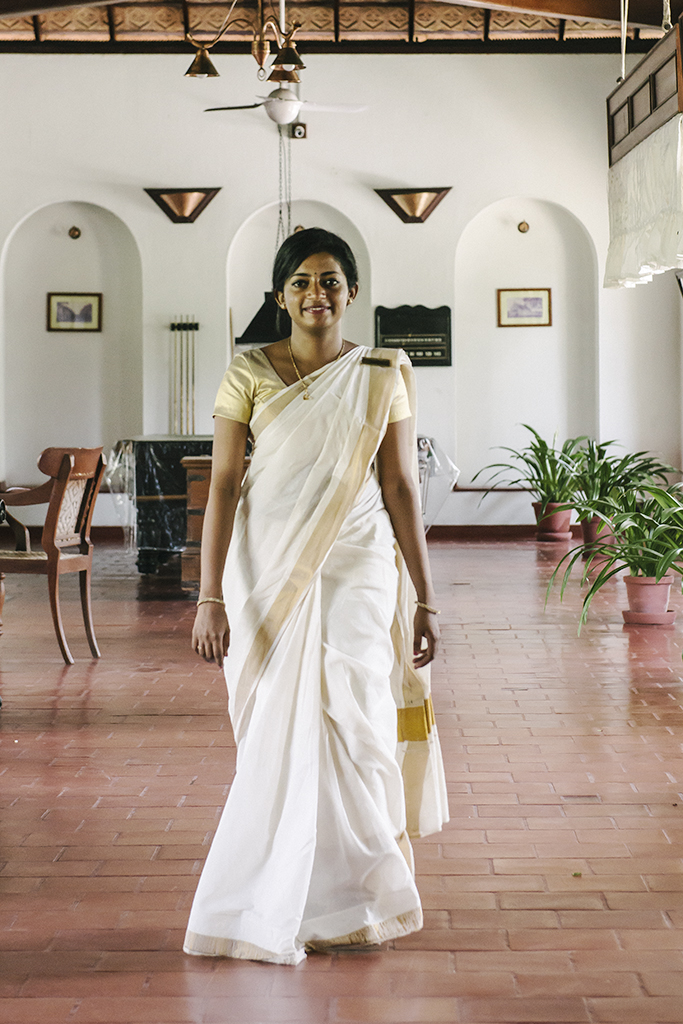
412 205
288 57
201 66
280 75
260 50
182 205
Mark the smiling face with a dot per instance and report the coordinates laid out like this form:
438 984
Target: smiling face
317 293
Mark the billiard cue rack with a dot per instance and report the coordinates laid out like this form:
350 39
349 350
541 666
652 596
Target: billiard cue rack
183 348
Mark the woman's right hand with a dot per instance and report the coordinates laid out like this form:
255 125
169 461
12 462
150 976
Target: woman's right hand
211 633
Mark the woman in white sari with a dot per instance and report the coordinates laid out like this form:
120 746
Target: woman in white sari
312 851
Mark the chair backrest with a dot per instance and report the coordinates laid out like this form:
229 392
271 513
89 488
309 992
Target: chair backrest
77 474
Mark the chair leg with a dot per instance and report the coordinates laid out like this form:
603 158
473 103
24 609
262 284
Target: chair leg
53 587
2 597
86 605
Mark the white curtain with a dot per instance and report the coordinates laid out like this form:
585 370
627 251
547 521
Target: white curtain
645 190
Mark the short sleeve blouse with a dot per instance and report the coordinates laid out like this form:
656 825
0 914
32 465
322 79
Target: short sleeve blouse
250 381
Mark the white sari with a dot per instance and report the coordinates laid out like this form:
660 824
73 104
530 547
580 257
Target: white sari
312 849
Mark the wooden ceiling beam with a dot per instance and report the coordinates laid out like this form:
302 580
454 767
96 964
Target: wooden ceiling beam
641 12
12 8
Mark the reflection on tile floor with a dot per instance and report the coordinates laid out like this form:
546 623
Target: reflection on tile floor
554 895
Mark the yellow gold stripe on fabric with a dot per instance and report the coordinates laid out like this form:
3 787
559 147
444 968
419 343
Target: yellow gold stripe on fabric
372 934
429 708
273 409
212 945
415 724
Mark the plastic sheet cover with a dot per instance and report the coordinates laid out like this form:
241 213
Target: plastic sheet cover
438 476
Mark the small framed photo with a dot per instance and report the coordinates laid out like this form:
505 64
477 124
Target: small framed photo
524 307
74 311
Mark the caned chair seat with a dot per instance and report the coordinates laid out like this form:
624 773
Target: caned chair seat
75 477
34 556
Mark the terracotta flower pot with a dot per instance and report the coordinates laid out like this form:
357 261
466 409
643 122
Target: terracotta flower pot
648 601
590 534
591 538
553 525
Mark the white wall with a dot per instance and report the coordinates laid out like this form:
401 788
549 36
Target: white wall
506 376
97 129
68 388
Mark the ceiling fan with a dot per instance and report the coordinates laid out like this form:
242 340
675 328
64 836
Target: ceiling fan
283 106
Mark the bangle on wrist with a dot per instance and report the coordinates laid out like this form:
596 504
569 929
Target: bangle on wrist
211 600
428 608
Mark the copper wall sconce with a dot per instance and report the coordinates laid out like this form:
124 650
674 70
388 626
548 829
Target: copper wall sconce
412 205
182 205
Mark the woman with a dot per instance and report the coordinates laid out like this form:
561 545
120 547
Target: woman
312 849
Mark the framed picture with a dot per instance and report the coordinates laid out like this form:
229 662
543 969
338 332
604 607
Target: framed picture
524 307
74 311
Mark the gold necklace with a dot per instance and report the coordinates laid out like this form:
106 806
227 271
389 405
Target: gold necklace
306 395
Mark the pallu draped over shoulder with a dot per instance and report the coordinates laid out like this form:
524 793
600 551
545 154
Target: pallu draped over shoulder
313 846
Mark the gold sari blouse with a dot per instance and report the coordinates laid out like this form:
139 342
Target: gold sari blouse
250 382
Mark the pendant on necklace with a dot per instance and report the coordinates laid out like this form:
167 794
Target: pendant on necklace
306 395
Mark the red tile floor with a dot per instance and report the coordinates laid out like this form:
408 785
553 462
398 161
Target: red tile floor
555 894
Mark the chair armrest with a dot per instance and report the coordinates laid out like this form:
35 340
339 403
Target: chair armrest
22 539
28 495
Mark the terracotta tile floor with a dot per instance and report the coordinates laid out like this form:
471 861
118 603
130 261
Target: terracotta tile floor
555 894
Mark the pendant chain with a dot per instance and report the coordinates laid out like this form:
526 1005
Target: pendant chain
306 395
284 226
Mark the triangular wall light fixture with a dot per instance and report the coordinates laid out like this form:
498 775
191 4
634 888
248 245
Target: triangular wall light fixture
182 205
412 205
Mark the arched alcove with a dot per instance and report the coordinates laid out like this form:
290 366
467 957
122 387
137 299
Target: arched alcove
543 376
250 262
68 388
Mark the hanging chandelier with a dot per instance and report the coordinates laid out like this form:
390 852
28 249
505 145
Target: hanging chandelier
287 62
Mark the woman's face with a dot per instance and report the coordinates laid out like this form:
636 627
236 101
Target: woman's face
317 293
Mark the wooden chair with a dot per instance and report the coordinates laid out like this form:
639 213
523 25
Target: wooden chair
70 493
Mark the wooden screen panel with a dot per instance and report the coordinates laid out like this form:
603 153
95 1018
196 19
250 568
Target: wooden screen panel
647 98
620 123
665 81
641 105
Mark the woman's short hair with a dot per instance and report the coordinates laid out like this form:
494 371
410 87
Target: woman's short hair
302 244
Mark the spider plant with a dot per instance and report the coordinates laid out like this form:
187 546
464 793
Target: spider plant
599 473
647 538
544 469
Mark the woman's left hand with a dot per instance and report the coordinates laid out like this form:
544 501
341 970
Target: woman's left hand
425 627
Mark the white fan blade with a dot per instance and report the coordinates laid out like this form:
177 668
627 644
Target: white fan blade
245 106
332 108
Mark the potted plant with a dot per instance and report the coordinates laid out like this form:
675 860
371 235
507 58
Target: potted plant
599 473
549 473
646 537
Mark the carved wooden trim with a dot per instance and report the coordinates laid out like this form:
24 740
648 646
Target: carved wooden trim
403 22
594 30
17 28
448 21
373 21
148 21
80 23
641 12
513 25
